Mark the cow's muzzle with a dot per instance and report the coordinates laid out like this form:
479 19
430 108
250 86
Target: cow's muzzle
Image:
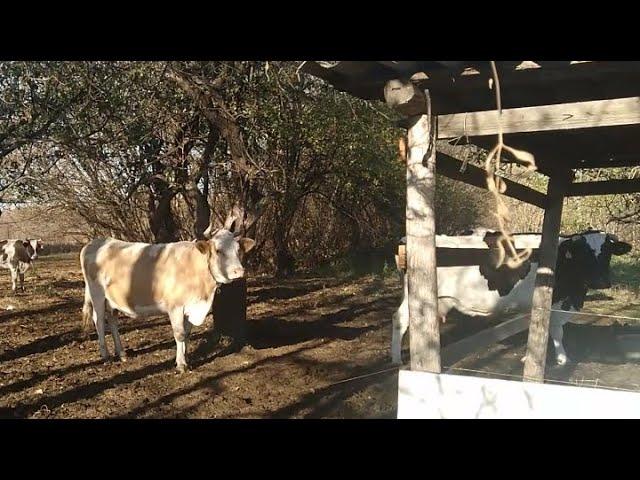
237 274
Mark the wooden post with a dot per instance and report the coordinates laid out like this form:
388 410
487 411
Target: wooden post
230 311
543 292
424 328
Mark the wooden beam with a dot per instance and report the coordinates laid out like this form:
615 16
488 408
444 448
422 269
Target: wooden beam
421 233
450 167
582 189
611 161
405 98
561 83
230 312
452 354
566 116
456 257
545 276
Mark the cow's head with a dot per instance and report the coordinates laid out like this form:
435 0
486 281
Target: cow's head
589 255
225 250
33 246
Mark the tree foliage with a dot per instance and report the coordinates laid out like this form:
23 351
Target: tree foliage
154 151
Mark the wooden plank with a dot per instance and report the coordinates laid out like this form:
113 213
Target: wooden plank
452 354
536 86
554 82
421 233
450 167
543 291
456 257
567 116
613 161
607 187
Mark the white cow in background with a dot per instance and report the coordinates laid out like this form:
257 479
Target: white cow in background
18 256
473 285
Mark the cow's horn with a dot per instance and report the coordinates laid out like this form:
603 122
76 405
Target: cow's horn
229 223
209 232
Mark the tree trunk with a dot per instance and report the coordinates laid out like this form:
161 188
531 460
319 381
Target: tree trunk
230 311
161 220
203 211
201 197
285 261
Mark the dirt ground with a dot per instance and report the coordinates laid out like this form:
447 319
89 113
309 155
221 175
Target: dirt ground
304 336
309 341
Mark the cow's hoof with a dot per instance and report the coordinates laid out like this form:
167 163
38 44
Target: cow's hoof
523 359
396 362
123 358
182 368
562 360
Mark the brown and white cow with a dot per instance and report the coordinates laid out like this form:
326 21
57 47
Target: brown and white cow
18 256
140 279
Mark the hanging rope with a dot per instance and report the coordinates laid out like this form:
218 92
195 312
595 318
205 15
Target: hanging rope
496 185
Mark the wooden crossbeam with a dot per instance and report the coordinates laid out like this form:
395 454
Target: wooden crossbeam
450 167
612 161
607 187
566 116
452 354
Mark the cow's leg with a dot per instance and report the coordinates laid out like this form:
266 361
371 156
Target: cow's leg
187 331
400 323
113 325
98 301
21 275
179 334
14 278
556 331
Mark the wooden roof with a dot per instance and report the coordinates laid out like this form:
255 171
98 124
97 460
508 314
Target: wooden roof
462 87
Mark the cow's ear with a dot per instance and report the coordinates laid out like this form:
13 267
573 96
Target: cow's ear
203 246
246 244
620 248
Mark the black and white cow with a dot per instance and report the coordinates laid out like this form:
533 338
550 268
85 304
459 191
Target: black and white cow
469 282
17 256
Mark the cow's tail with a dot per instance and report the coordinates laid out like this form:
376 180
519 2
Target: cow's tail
87 311
87 307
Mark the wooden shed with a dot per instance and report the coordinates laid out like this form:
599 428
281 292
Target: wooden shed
569 114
